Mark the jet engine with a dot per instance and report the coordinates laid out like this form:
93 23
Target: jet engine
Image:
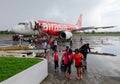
66 35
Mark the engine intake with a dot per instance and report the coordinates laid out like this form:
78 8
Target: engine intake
66 35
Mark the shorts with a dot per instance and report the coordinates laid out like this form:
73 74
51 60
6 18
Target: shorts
78 66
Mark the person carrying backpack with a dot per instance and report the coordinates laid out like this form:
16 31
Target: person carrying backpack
85 49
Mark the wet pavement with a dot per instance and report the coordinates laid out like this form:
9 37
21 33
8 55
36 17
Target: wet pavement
102 69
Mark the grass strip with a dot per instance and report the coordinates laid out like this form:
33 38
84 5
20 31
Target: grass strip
10 66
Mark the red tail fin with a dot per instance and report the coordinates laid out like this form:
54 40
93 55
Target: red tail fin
79 22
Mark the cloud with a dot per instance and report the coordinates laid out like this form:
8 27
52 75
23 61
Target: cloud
111 5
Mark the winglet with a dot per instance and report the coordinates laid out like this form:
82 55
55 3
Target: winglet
79 22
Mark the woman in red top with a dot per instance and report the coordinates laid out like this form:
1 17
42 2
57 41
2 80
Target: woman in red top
68 59
78 58
56 60
65 59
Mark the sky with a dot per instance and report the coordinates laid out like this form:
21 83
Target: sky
94 12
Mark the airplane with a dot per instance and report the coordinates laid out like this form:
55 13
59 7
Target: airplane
39 27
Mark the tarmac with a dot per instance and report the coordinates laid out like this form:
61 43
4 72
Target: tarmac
102 69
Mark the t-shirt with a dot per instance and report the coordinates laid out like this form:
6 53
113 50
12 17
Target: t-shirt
44 45
55 56
78 58
70 56
67 57
55 42
51 41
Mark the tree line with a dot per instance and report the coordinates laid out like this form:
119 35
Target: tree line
6 32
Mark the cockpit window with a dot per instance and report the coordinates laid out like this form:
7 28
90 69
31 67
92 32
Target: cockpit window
22 23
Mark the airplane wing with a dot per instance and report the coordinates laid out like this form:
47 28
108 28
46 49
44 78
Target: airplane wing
92 27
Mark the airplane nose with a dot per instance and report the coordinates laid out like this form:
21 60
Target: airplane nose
17 29
14 29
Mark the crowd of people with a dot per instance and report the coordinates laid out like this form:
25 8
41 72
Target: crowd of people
71 57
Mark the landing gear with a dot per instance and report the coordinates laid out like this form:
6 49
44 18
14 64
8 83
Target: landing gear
15 38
